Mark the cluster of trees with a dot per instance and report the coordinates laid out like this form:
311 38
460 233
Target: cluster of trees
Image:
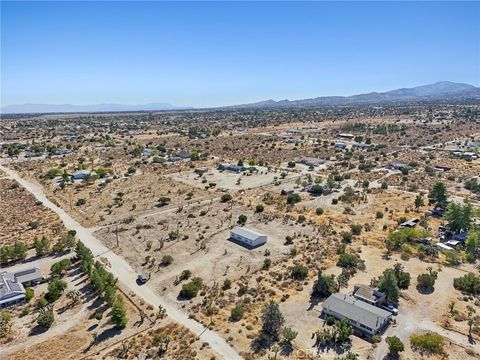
325 285
103 283
340 333
18 251
458 217
15 252
391 281
396 239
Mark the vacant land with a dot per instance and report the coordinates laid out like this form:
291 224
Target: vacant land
149 188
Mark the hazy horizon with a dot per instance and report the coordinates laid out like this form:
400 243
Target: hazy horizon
216 54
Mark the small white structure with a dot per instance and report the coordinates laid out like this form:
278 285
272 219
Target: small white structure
248 237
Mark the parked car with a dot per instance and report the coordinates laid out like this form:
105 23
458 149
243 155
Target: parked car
141 279
391 308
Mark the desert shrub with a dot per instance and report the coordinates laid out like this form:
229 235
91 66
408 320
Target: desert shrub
330 320
226 198
293 199
347 260
191 289
227 284
346 236
469 284
356 229
236 314
166 260
185 275
430 343
29 294
299 272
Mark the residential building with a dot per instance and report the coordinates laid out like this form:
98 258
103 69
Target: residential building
11 291
80 175
231 167
310 161
201 170
365 318
410 223
12 285
396 166
345 136
369 295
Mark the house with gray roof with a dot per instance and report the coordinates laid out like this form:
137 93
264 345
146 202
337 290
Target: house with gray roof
247 237
11 291
12 285
365 318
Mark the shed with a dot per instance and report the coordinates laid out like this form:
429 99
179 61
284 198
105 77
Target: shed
247 237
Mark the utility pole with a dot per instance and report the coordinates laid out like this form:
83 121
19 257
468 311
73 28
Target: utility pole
116 232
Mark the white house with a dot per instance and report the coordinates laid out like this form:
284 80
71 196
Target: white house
248 237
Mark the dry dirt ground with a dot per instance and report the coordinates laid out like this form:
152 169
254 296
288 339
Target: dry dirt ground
71 335
22 218
200 245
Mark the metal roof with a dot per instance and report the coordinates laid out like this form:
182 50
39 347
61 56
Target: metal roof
357 310
27 275
246 233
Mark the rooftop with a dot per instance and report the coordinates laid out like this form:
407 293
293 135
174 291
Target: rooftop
10 290
246 233
27 275
356 310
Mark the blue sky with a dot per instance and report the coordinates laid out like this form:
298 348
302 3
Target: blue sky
209 54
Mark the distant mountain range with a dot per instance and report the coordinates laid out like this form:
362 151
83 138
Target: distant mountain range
68 108
444 91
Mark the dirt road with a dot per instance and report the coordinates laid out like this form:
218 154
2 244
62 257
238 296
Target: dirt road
121 269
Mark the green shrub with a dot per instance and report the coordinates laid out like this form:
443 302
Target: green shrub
356 229
299 272
191 289
430 343
330 320
237 313
29 294
469 284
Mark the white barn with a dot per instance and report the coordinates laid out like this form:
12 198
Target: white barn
248 237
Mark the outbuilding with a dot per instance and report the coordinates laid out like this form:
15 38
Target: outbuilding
247 237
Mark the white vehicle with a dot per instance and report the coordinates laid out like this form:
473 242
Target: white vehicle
391 308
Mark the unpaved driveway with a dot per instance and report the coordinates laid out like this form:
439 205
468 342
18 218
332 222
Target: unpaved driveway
121 269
